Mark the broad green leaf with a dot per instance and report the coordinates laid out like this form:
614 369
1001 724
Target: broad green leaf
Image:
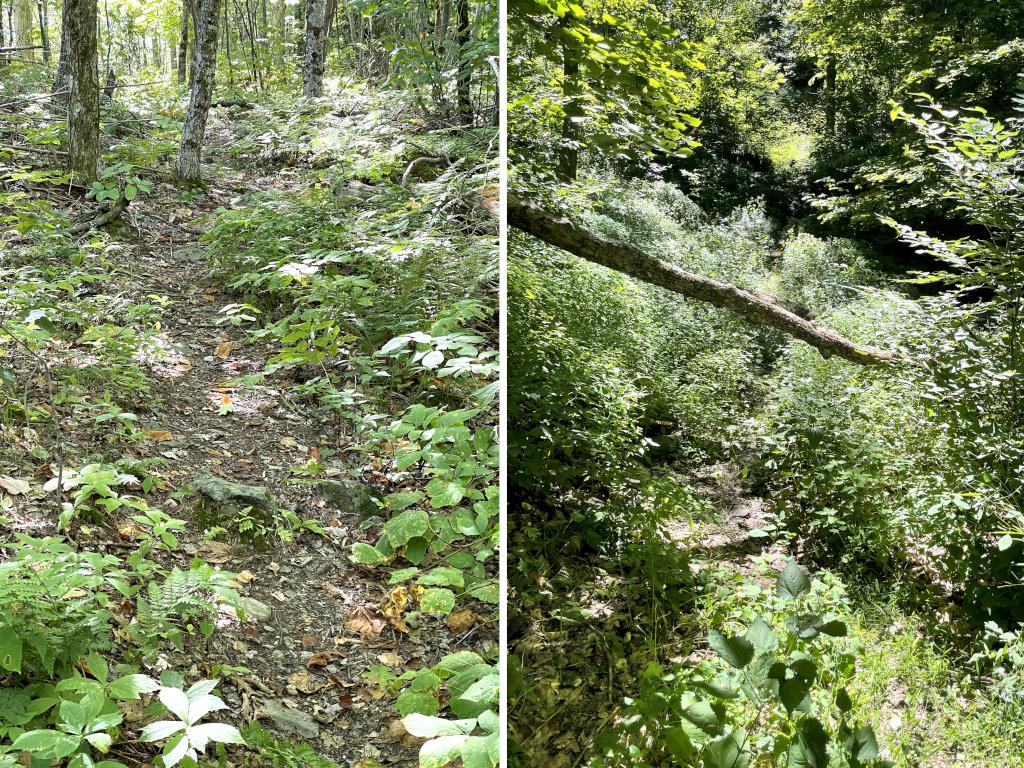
439 752
736 651
483 690
437 601
10 650
425 726
132 686
405 526
365 554
792 582
443 577
480 751
47 744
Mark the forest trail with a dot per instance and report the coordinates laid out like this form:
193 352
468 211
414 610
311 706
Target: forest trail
296 665
731 538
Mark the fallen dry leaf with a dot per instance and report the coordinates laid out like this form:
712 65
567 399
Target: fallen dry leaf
365 623
128 531
215 551
322 658
394 606
390 658
460 621
303 683
14 485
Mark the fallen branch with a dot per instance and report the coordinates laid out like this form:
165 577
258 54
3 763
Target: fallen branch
417 161
103 219
757 308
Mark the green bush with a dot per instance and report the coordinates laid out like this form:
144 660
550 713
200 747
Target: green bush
820 276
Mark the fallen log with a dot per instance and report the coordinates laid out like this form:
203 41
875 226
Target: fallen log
112 213
757 308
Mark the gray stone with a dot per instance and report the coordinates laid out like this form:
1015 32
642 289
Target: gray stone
350 496
291 720
225 492
254 609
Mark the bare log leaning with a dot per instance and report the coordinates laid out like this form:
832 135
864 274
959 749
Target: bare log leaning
759 309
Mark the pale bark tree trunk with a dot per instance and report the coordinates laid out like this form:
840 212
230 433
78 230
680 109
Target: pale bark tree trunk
462 79
204 65
316 39
757 308
83 81
23 27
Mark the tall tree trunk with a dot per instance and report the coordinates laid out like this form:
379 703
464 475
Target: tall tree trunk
227 48
23 27
830 96
44 36
757 308
462 79
60 85
83 90
568 152
183 41
204 66
313 60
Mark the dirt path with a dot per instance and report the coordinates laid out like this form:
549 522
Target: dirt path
304 667
730 540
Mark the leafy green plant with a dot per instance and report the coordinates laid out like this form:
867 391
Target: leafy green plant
184 602
469 685
282 753
187 737
776 697
55 605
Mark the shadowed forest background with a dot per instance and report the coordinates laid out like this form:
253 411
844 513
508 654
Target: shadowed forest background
766 439
248 383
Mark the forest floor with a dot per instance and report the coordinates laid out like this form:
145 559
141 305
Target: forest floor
912 681
911 674
298 663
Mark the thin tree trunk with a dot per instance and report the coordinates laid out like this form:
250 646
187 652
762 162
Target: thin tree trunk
757 308
227 48
83 90
204 67
44 36
313 60
462 79
568 152
60 85
830 96
183 42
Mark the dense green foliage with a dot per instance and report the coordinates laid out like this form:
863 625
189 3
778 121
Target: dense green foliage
827 178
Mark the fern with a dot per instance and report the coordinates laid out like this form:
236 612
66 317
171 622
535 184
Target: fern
53 604
282 753
183 599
